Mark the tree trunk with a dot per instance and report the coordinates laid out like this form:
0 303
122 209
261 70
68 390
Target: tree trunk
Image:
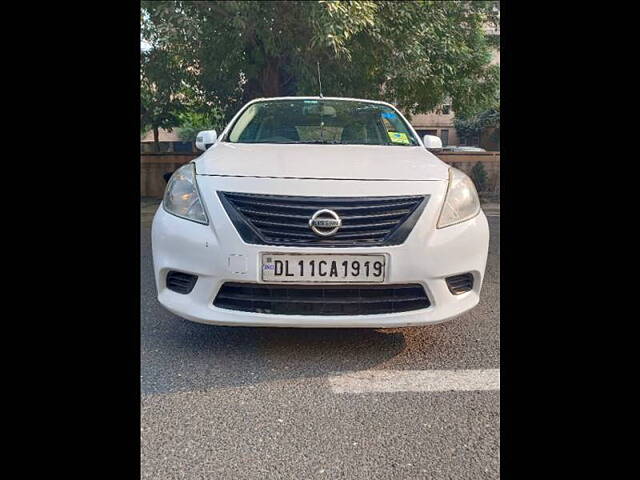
156 141
270 79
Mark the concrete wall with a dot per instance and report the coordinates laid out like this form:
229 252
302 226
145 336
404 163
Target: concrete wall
154 165
466 161
167 147
152 168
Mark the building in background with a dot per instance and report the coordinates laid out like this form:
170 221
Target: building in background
439 123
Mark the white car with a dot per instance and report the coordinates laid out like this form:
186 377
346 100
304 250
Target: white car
318 212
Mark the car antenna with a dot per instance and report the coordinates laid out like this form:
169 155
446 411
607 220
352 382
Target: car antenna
319 81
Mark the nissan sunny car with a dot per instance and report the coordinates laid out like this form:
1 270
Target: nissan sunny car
318 212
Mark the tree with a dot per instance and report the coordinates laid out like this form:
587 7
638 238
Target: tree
160 85
191 123
414 54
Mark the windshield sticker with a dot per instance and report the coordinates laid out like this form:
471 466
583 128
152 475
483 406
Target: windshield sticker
399 137
310 101
389 115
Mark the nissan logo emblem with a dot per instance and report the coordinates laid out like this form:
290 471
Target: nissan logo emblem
325 222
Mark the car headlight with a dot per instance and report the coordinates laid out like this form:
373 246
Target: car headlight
181 197
461 201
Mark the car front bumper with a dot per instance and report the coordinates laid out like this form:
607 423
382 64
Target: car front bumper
217 254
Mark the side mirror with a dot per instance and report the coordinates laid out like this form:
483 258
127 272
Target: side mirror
432 142
205 139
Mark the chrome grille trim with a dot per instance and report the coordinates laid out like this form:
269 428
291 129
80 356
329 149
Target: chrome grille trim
284 219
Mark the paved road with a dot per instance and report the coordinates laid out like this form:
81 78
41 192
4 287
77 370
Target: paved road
235 403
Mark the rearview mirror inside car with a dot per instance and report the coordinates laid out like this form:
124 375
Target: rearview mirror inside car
317 109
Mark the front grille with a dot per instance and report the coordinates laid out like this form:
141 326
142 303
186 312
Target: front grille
321 300
460 283
284 220
181 282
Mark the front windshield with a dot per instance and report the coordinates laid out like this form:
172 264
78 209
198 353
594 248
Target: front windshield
321 121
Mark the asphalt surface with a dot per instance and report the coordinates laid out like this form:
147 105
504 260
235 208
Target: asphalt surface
255 403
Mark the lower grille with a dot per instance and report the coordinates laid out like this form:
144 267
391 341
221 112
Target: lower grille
321 300
181 282
460 283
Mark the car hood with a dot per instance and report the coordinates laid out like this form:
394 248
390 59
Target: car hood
348 162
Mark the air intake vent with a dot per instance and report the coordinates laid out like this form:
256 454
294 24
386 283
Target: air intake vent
460 283
181 282
284 220
321 300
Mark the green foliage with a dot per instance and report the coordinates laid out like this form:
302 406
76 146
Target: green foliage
414 54
193 122
490 118
160 84
479 177
470 127
467 128
495 136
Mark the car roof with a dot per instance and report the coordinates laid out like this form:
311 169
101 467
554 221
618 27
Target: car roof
348 99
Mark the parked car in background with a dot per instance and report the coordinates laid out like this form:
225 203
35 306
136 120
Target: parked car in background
454 148
319 212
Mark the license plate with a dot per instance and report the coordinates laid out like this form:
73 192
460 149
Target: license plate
334 268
